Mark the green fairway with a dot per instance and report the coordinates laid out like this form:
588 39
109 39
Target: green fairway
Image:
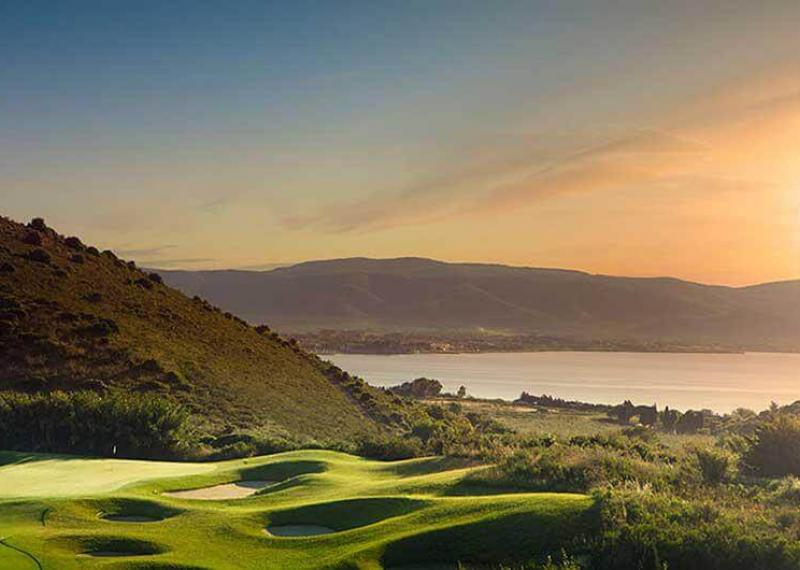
357 514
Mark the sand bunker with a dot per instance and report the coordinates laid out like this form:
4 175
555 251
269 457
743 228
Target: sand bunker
299 530
238 490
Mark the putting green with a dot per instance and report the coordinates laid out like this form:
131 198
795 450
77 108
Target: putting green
65 512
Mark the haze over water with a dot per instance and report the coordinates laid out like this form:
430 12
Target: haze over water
721 382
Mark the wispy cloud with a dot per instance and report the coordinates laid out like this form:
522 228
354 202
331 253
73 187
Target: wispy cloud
145 251
730 137
167 263
519 174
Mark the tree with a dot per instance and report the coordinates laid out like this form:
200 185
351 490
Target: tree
669 419
462 392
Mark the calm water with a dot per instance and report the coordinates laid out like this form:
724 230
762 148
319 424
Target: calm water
721 382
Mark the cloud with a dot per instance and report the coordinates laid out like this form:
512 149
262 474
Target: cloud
216 205
166 263
482 185
145 252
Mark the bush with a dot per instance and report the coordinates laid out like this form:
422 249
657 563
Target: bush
74 243
419 388
713 465
390 448
775 449
649 530
39 255
32 238
573 468
123 425
38 224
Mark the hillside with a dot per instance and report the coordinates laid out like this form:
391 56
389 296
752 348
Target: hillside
73 318
422 294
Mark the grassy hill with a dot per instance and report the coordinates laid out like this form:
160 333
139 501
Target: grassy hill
376 515
74 318
417 294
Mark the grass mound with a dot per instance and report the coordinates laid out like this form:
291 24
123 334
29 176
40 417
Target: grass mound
344 515
381 514
132 510
109 546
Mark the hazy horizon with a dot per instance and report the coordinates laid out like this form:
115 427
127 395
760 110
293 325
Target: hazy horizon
272 266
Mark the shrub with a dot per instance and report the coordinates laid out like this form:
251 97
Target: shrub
38 224
39 256
714 465
419 388
32 238
390 448
775 448
74 243
125 425
571 468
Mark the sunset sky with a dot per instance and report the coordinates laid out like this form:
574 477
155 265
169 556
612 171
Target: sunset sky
634 138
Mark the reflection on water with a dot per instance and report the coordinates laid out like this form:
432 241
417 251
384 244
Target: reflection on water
721 382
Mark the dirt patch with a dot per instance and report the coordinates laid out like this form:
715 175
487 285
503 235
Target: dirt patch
296 530
237 490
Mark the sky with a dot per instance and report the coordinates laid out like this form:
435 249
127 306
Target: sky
641 138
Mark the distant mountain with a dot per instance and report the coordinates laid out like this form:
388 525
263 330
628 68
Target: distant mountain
422 294
74 318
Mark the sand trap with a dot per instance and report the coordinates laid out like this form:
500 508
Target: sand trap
130 518
238 490
299 530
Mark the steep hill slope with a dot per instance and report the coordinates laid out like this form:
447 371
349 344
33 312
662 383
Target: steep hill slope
73 318
412 293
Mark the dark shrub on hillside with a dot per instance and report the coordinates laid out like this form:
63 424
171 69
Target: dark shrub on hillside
74 243
39 255
38 224
93 251
125 425
775 449
155 278
419 388
32 238
76 259
103 327
6 267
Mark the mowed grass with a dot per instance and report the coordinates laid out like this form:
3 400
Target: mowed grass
382 514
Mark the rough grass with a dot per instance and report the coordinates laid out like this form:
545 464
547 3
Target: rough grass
386 514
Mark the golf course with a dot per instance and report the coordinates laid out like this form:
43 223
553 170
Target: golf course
302 509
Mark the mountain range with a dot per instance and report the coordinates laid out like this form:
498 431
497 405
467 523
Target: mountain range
417 294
